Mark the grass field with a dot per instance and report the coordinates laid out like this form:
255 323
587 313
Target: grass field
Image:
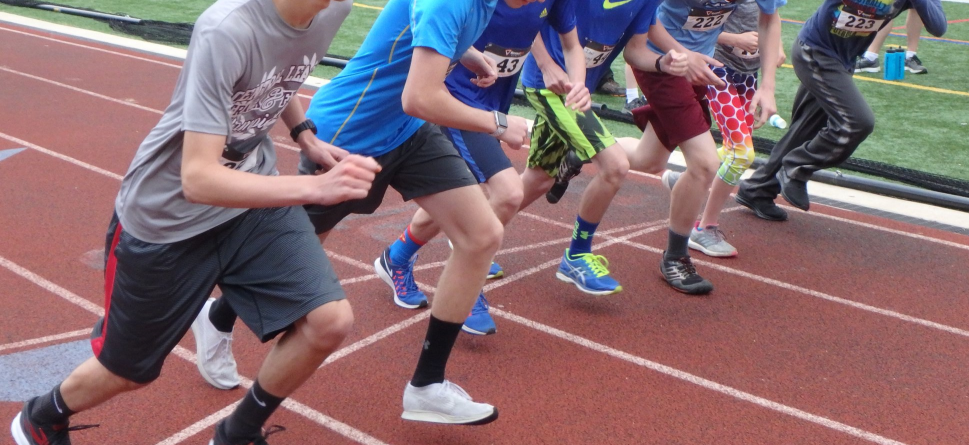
922 121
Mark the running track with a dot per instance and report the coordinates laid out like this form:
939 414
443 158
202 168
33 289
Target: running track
832 328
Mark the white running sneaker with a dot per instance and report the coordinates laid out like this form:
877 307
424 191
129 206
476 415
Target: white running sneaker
445 403
669 179
213 351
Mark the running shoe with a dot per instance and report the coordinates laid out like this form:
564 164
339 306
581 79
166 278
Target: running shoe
669 179
445 403
569 168
764 208
479 321
401 281
26 432
634 104
220 437
588 272
914 65
711 241
213 351
863 65
681 275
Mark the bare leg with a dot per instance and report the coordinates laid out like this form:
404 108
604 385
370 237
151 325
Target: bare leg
613 166
913 30
91 384
715 203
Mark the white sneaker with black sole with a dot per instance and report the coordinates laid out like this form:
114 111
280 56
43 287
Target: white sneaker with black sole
445 403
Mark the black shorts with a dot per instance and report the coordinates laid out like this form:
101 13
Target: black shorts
267 262
480 151
423 165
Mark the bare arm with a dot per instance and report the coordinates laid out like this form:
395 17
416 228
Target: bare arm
318 151
206 181
578 96
425 97
555 78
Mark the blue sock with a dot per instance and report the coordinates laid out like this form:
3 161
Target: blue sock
582 237
404 248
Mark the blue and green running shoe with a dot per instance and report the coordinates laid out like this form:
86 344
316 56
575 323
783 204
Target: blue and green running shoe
588 272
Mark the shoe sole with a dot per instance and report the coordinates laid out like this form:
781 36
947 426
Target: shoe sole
697 246
385 277
868 70
699 289
500 274
598 293
744 202
435 417
471 331
198 364
17 431
916 72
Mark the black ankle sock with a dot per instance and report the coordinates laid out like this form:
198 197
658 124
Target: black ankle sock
222 316
50 409
676 246
437 348
247 420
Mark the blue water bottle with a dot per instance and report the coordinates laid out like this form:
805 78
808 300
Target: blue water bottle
900 64
890 62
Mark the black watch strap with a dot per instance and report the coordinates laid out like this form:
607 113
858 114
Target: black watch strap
305 125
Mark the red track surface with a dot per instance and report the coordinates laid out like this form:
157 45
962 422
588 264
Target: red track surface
833 327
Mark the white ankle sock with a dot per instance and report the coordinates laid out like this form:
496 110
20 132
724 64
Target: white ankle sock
871 56
909 54
631 94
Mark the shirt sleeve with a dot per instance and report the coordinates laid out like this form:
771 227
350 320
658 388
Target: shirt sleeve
770 6
211 71
932 15
645 18
562 16
437 24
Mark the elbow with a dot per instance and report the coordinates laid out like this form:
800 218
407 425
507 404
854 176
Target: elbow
414 105
192 189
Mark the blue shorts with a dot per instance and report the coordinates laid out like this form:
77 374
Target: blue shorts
482 152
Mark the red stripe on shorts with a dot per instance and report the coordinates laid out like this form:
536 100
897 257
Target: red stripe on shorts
98 342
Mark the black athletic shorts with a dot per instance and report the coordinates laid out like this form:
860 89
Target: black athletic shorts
425 164
267 262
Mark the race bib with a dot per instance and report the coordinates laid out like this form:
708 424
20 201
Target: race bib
853 21
744 54
508 60
244 162
596 53
706 20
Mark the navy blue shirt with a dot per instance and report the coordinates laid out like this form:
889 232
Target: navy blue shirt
843 29
508 39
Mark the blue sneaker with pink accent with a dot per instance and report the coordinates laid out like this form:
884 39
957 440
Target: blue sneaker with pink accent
401 281
479 321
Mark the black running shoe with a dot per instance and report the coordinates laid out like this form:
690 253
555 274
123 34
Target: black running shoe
26 432
681 275
220 438
570 167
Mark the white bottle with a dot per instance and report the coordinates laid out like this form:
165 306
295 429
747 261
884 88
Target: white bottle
778 122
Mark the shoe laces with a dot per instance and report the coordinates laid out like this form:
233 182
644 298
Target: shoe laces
451 387
716 232
403 278
684 266
916 59
569 168
266 432
598 264
480 305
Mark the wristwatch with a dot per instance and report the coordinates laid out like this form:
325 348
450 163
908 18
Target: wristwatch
501 121
306 125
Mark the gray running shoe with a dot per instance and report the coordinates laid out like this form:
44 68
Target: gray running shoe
669 179
712 242
868 66
914 65
634 104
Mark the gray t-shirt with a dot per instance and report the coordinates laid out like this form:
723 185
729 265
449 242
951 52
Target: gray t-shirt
244 64
743 19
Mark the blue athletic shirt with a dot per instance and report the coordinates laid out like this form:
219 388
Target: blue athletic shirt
604 28
843 29
360 110
508 39
696 24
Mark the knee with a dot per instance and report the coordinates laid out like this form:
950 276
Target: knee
704 171
507 203
613 166
328 325
483 240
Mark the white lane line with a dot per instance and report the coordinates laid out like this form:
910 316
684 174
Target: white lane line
80 90
94 48
199 426
697 380
51 287
47 339
57 155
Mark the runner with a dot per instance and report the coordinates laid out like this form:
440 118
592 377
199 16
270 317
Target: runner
564 136
202 205
506 40
677 115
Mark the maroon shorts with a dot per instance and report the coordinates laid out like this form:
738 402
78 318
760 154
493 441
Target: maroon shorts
677 109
